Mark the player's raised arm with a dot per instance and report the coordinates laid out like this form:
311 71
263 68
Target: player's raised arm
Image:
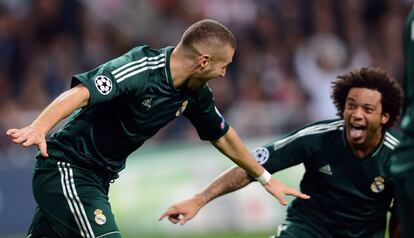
231 145
60 108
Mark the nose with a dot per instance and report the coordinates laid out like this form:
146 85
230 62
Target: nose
358 113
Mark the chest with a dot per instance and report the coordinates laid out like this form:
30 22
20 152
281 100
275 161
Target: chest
153 108
337 168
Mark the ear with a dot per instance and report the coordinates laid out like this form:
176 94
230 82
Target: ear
204 61
385 117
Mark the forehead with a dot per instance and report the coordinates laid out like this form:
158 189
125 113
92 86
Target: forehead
364 96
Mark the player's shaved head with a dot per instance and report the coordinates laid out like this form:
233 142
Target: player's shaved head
207 33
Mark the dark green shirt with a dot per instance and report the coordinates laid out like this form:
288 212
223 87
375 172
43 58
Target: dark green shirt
402 165
349 195
131 98
407 122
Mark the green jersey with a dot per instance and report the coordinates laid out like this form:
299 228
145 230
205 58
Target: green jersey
407 122
350 196
402 166
131 98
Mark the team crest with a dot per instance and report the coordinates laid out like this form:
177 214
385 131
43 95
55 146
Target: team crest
100 218
182 108
261 155
103 84
378 184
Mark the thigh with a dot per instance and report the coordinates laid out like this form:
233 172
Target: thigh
40 227
299 229
74 201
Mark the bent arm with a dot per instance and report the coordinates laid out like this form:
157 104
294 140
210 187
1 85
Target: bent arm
64 105
60 108
231 145
394 227
229 181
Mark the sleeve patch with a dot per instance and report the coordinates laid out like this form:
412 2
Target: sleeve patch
261 155
103 84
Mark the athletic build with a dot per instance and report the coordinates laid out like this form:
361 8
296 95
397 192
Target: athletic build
114 109
402 168
344 159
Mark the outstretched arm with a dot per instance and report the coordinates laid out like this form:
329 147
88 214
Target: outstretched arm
227 182
394 227
60 108
231 145
231 180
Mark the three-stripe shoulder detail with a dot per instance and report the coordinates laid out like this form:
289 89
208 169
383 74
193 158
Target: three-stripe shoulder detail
390 141
311 130
138 66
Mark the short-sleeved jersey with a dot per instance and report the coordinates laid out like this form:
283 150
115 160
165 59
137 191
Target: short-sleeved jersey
402 163
407 121
131 98
349 195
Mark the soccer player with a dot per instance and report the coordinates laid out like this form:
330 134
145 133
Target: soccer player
402 166
344 159
114 109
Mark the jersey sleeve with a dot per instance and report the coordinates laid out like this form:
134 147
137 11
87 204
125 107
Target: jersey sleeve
103 86
289 151
205 117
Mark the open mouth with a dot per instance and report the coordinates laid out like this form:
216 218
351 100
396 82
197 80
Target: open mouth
357 131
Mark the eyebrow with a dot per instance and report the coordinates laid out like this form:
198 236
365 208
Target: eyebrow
365 104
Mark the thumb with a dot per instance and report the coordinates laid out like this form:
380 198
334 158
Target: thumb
43 149
184 220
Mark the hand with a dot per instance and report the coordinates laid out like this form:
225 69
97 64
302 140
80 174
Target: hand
28 136
279 190
183 211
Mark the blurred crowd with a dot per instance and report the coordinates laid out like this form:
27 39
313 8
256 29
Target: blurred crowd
289 52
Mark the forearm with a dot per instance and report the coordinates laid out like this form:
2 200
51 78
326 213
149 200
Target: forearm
394 227
61 107
231 180
232 146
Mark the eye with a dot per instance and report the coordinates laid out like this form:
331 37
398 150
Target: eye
351 105
369 110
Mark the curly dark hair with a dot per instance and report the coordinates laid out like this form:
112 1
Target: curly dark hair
370 78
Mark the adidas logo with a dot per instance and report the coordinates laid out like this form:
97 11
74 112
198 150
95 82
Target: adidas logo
326 169
147 102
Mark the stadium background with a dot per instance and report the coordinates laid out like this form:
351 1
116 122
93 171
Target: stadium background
288 53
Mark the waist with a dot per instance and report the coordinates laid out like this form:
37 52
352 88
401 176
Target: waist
101 172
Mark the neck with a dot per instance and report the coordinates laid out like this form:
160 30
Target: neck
362 150
181 67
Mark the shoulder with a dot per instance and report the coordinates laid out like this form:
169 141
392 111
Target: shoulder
391 138
202 94
140 56
316 133
321 127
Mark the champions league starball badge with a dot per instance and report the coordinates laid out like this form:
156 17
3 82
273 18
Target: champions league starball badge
378 184
103 84
261 154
